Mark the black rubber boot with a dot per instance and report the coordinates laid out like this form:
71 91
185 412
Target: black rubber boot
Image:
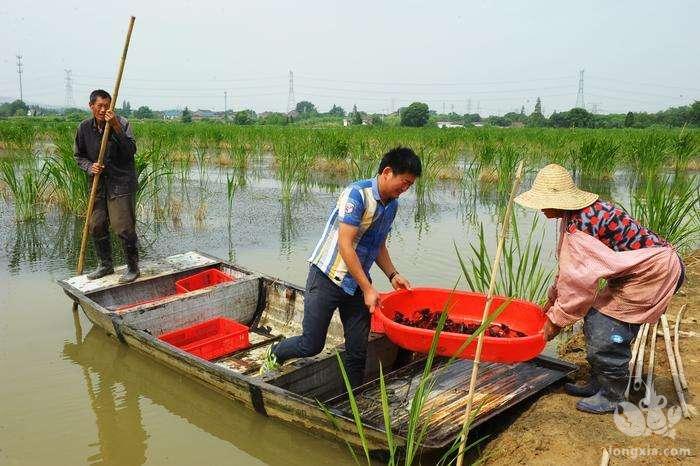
611 393
103 249
590 388
131 252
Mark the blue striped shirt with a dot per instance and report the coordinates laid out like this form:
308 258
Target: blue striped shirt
359 205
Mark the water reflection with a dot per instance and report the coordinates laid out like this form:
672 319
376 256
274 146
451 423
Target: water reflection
57 238
288 229
424 207
121 384
121 436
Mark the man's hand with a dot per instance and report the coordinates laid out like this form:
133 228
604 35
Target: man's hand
96 168
371 297
550 330
113 121
399 282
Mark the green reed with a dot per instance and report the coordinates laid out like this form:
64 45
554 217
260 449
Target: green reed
521 275
649 153
27 185
69 182
670 208
596 158
18 135
293 161
684 149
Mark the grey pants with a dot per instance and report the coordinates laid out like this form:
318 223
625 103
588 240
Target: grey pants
608 342
321 299
119 212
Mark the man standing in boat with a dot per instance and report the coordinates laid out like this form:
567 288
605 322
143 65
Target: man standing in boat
115 202
353 240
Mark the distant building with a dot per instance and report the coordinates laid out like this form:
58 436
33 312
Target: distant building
203 115
172 114
448 124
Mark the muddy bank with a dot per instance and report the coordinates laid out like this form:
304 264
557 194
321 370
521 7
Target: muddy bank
551 431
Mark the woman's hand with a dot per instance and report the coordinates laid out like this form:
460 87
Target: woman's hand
550 330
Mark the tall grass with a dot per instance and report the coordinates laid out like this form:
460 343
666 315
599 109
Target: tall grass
649 153
521 274
684 150
670 208
596 157
69 181
293 161
27 185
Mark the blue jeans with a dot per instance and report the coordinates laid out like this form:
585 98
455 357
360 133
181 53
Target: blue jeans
321 299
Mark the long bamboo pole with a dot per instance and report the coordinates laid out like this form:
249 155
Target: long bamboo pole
101 155
487 307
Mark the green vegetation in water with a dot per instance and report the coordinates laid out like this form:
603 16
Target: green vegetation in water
68 180
670 208
521 275
27 185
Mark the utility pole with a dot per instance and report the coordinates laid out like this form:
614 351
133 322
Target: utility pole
469 106
443 107
19 72
580 103
478 107
291 102
225 98
69 90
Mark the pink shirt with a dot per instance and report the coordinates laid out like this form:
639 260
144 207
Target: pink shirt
640 283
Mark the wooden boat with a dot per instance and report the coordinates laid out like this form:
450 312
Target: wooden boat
138 313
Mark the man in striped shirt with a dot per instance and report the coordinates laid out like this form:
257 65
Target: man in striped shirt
354 238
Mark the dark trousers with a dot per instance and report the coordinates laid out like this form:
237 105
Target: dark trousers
608 347
321 299
119 212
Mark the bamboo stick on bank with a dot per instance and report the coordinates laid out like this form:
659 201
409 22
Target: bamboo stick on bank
487 308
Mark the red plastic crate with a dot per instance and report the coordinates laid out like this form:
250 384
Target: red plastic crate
209 277
210 339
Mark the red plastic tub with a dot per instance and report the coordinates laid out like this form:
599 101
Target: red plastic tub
466 307
210 339
207 278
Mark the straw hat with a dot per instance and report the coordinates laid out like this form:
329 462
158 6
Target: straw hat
554 188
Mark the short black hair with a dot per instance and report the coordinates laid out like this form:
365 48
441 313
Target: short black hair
99 93
401 160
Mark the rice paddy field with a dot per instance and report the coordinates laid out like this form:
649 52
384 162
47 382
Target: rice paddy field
260 195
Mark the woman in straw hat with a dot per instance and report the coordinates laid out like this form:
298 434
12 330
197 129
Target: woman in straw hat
600 241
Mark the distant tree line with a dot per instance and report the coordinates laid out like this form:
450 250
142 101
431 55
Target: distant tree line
416 114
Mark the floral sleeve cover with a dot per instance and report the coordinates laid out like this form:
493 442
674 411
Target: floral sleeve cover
613 227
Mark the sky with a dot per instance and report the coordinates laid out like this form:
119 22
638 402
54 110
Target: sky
462 56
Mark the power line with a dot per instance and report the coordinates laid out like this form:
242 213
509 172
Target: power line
391 83
197 80
644 84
